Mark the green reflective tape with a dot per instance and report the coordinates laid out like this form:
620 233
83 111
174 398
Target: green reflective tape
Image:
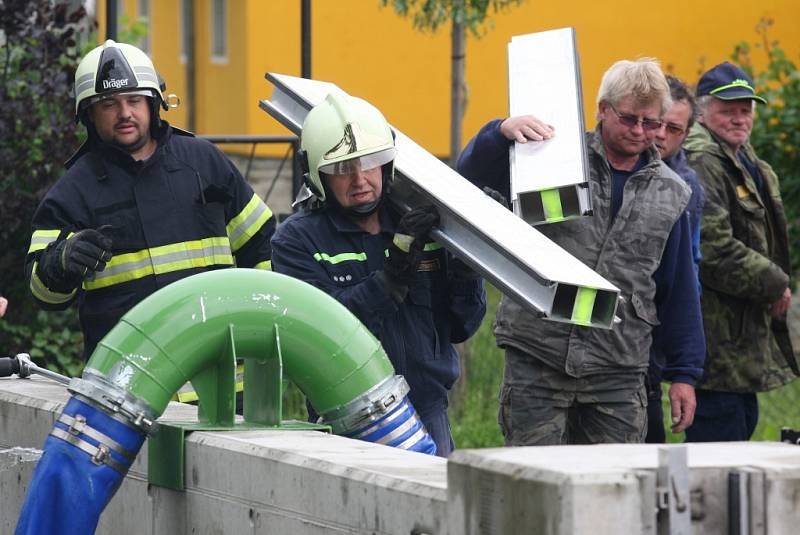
584 304
551 203
341 257
735 83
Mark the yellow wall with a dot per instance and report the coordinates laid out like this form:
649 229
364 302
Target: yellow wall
371 52
273 44
680 33
165 43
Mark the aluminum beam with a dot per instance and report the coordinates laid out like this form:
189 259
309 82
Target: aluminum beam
516 258
549 179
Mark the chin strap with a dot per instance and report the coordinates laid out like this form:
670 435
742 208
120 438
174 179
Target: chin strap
364 210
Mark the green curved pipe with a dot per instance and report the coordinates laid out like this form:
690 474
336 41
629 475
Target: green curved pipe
185 328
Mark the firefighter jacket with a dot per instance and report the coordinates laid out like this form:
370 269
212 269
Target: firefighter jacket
744 268
326 249
184 210
645 250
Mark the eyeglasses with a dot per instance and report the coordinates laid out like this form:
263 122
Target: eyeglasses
631 120
674 129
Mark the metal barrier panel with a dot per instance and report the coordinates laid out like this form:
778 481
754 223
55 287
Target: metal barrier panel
549 179
511 254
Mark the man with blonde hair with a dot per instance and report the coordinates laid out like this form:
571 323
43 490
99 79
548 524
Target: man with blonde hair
568 384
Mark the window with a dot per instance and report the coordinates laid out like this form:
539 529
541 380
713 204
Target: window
144 15
219 35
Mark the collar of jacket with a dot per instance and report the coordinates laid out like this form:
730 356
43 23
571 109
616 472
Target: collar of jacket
123 159
652 157
701 139
678 163
343 223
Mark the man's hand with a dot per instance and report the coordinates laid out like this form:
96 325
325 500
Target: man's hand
526 128
683 403
418 222
67 263
779 307
85 253
3 306
405 251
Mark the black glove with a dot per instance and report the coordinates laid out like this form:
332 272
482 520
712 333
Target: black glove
64 264
418 222
497 196
405 251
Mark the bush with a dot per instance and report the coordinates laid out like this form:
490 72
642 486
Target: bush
44 42
776 128
37 134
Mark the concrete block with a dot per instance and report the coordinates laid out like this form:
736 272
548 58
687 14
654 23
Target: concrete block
259 482
610 489
16 469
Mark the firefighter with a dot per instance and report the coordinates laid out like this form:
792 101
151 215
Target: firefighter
141 205
349 242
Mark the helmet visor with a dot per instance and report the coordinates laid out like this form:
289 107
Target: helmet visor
105 96
363 163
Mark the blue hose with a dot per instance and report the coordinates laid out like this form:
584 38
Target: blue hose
399 428
84 461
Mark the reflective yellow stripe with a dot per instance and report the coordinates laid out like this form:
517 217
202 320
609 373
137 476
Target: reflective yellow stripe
341 257
42 293
249 221
42 238
163 259
266 265
430 246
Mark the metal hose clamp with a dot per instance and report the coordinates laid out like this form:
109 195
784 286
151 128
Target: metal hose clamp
117 402
368 407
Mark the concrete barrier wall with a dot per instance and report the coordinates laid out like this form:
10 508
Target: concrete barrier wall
611 489
254 482
304 482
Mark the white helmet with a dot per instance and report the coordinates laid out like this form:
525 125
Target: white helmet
114 68
341 132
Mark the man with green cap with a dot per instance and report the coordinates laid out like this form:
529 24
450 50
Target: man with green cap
745 265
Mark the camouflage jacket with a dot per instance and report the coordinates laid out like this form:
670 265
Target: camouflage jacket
744 268
626 251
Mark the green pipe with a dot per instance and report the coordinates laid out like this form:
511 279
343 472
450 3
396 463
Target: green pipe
185 328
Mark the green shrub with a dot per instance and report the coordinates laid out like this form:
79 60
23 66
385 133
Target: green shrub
776 127
37 134
44 41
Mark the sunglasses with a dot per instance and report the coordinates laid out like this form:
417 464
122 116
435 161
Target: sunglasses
674 129
631 120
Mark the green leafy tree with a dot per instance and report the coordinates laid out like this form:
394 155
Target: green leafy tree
463 15
776 128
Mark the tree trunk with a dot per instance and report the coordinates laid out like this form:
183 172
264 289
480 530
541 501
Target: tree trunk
456 89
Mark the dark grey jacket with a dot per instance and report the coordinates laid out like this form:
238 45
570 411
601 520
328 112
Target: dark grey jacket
626 252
